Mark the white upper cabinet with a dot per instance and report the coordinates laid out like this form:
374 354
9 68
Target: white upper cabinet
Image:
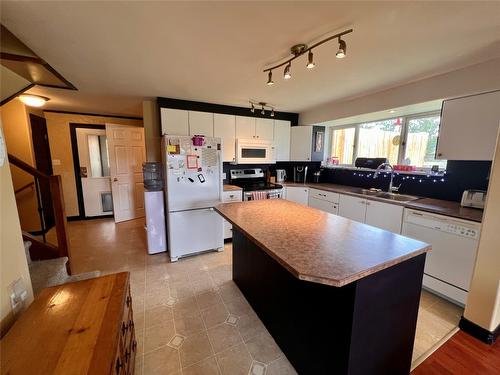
282 140
201 123
301 143
174 121
245 127
264 129
469 127
225 128
384 216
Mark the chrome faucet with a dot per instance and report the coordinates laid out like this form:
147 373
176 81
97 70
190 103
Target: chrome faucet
379 169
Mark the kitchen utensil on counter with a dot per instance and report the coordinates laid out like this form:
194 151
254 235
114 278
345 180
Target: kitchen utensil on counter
280 175
473 198
316 176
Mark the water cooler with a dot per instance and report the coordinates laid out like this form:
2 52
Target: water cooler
154 207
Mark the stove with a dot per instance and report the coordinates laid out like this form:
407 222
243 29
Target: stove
253 181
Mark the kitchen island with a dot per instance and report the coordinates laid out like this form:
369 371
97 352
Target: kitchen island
338 297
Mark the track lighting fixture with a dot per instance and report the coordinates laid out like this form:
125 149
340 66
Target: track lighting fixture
263 105
300 49
310 62
287 74
270 78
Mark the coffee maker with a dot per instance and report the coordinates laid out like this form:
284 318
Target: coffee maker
300 174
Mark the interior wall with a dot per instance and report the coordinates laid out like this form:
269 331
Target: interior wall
152 130
13 264
483 303
473 79
60 149
17 129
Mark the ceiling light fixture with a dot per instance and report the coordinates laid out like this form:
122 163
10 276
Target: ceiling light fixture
300 49
270 78
263 105
33 100
341 53
392 111
310 62
287 74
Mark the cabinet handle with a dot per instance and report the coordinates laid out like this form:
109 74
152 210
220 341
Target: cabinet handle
124 328
129 301
440 154
231 196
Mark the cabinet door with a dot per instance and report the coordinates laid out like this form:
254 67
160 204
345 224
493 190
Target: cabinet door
322 205
201 123
228 230
282 140
174 122
300 143
469 127
384 215
225 128
245 127
264 129
353 208
297 194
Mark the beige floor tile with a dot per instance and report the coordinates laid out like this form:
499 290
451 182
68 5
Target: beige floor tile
195 348
206 367
235 361
139 320
186 306
181 290
162 361
188 324
229 291
139 337
157 315
427 299
447 311
280 366
158 336
223 336
214 315
139 363
250 326
207 299
262 348
157 299
238 306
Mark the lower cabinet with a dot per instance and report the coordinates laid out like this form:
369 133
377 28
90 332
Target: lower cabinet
378 214
230 196
297 194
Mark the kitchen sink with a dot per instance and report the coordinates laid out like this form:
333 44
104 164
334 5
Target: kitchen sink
371 192
385 195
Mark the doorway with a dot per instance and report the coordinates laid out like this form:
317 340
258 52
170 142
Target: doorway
43 161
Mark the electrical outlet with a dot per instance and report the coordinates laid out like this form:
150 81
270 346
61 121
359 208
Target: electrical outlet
18 294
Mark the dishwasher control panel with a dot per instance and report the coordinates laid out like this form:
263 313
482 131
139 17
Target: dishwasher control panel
461 230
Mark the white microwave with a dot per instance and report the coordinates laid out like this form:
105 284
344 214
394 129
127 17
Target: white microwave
254 151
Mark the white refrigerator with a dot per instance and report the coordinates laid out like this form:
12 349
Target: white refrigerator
193 186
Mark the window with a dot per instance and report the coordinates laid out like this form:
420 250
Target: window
403 140
343 145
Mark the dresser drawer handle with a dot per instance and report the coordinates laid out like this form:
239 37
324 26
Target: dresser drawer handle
124 328
129 301
134 345
127 355
131 324
118 365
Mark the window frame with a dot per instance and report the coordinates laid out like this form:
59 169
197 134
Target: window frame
404 133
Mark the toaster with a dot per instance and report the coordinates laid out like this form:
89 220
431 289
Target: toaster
473 198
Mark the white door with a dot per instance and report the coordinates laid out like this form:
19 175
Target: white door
352 208
282 140
174 121
264 129
225 128
201 123
245 127
297 194
126 155
384 215
300 143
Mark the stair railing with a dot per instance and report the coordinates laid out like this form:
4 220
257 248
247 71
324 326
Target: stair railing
58 207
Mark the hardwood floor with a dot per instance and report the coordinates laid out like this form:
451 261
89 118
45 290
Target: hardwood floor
462 354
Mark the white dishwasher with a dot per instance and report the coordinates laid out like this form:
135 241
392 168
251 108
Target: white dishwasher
450 263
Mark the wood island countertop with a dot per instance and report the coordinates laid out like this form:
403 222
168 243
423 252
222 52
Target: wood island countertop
317 246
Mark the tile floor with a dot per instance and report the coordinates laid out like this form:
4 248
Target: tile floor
192 319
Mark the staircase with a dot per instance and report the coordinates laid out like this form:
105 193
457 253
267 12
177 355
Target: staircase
51 272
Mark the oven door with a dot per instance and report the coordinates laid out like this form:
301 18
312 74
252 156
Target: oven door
250 151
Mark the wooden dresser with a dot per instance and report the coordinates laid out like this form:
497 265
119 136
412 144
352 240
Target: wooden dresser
86 327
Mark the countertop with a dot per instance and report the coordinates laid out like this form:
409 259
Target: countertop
317 246
228 187
437 206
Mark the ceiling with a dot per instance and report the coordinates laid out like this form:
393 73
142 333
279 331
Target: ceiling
117 53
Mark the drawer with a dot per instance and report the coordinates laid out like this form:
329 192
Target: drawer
324 195
232 196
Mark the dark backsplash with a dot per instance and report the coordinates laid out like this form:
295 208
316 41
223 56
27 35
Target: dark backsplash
461 175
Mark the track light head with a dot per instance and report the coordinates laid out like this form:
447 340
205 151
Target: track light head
263 111
287 74
310 62
342 51
272 112
270 78
252 109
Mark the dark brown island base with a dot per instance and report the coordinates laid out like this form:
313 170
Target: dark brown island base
338 297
